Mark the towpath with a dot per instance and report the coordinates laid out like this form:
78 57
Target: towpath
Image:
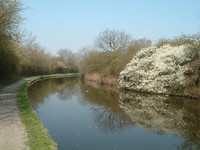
13 134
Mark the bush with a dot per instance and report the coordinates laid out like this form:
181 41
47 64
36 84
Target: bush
166 70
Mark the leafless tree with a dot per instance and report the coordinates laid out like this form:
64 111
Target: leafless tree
112 40
84 52
65 55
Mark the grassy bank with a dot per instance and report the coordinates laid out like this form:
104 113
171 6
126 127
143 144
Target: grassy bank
39 138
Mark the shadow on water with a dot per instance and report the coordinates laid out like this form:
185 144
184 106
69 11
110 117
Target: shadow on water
162 114
113 111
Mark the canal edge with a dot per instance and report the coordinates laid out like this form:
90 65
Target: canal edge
38 136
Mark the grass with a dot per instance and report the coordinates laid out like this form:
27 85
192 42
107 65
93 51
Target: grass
14 79
38 136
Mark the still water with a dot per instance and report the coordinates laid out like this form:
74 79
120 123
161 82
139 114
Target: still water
85 116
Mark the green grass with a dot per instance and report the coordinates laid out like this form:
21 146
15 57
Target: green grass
38 136
14 79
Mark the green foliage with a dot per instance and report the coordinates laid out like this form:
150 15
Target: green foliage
38 136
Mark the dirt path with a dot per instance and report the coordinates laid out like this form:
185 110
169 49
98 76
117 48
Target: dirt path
13 135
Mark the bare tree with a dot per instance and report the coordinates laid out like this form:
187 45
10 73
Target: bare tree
84 52
65 55
112 40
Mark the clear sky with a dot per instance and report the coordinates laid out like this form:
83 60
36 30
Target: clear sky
74 24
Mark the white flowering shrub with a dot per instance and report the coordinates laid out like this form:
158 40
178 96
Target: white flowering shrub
156 69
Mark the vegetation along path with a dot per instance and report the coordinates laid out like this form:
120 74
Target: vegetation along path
13 134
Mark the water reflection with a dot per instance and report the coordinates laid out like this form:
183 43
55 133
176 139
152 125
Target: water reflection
161 114
115 113
64 87
107 114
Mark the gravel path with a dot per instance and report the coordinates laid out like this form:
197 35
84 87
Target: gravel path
13 135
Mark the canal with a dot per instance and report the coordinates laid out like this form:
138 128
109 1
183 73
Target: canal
82 115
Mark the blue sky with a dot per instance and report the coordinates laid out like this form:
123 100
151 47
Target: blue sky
74 24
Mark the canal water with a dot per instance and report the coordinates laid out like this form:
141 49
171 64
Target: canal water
86 116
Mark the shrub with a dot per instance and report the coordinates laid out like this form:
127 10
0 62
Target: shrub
158 70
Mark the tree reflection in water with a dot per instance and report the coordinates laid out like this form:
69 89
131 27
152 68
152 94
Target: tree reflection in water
66 87
107 114
113 111
162 114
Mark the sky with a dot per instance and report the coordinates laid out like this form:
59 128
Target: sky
74 24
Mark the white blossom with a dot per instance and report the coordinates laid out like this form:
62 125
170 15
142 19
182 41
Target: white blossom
156 69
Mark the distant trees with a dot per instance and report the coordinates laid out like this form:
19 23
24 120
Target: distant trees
84 52
26 56
65 55
66 61
112 40
35 61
